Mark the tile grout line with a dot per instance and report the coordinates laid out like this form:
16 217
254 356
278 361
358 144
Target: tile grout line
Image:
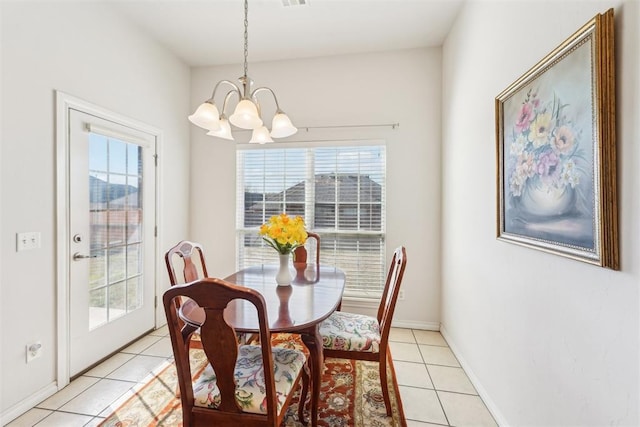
432 383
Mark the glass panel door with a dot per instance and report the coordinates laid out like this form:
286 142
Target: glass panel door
112 221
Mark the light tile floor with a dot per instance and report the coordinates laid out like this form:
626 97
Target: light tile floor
435 390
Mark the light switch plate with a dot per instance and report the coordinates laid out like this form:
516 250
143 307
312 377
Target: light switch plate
27 241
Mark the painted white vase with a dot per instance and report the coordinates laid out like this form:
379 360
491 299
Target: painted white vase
284 277
542 200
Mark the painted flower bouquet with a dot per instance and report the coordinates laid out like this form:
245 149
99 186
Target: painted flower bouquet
543 146
545 154
284 233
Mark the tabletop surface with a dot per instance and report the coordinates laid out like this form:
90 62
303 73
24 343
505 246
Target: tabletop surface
312 296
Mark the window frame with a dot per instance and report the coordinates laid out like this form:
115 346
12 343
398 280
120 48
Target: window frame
310 204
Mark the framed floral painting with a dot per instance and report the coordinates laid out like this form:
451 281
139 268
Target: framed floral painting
555 131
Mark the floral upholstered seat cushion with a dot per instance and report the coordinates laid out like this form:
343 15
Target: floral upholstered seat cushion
289 340
350 331
249 376
243 338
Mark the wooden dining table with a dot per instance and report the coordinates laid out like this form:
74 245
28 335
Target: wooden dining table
313 295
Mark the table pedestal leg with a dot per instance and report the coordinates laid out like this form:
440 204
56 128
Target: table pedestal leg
313 340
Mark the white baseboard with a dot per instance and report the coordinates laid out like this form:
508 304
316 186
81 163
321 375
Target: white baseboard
491 406
370 308
26 404
410 324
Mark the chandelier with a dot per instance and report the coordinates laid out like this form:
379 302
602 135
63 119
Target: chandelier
247 114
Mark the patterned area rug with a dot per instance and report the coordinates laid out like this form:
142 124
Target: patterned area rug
351 396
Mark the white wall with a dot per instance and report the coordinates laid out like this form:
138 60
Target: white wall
399 86
85 51
551 341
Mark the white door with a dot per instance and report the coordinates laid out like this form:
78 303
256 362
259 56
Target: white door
112 224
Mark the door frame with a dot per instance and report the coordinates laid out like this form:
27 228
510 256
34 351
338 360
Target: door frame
65 103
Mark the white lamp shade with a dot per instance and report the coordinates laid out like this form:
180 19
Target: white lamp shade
225 130
282 127
206 116
246 115
260 136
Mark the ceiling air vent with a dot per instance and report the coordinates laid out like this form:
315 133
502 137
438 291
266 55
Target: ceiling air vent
287 3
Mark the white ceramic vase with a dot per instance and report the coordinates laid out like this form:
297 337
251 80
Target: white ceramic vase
548 201
284 277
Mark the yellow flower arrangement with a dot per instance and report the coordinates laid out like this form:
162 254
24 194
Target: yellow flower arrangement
283 233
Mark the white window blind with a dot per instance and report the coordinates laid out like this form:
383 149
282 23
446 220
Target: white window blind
340 192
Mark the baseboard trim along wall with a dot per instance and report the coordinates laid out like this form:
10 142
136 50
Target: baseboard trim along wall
26 404
370 308
491 406
409 324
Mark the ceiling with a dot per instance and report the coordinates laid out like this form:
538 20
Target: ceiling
210 32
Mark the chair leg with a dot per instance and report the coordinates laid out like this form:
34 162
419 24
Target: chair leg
248 339
385 384
186 418
303 393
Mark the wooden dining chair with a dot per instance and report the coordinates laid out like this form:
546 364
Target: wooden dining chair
248 385
356 336
194 266
190 257
300 254
307 271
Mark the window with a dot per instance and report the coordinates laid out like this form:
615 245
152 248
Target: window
339 189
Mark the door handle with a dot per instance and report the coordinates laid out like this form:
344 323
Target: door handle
78 256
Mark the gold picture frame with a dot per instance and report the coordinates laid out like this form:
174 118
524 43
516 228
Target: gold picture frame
556 150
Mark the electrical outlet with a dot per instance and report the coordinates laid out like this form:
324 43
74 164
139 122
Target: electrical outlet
27 241
34 350
401 295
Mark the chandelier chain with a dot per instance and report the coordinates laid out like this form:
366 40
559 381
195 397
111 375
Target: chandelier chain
246 35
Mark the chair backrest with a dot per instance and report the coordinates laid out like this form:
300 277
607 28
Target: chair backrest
301 253
391 290
193 263
220 346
